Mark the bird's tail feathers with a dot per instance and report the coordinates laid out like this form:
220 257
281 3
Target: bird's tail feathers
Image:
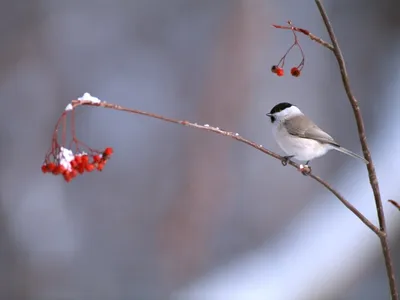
348 152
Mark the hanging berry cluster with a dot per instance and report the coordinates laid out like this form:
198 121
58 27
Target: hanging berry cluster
62 160
70 165
294 71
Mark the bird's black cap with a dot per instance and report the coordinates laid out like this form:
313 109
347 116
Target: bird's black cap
277 108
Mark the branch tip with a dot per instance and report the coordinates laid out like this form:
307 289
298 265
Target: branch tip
395 204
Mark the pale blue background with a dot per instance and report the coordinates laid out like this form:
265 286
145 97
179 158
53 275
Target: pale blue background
180 213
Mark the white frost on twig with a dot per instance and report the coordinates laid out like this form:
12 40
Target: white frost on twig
236 134
69 107
88 97
81 153
206 125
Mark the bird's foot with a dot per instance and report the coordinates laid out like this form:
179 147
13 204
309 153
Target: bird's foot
305 169
285 159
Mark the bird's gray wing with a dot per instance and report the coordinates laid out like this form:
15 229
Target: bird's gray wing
302 126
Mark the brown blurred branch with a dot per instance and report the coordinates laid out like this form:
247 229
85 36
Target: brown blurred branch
239 138
367 154
397 205
307 33
382 233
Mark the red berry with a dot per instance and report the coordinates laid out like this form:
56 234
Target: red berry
51 166
73 173
89 167
63 170
295 72
100 166
108 151
67 177
78 159
280 72
45 168
73 163
85 159
274 69
81 169
96 158
56 170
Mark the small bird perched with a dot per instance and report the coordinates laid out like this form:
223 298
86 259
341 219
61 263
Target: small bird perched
299 137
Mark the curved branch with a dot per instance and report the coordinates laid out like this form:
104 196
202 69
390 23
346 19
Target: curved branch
236 136
307 33
395 204
367 154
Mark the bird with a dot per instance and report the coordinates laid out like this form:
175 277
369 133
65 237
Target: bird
299 137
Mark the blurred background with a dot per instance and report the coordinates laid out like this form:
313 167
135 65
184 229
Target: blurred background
180 213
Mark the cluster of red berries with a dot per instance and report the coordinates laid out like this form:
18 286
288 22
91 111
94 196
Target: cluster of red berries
295 71
79 164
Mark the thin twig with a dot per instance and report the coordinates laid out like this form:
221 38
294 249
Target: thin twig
348 205
307 33
239 138
396 204
367 154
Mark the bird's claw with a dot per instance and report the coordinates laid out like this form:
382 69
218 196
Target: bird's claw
305 170
285 160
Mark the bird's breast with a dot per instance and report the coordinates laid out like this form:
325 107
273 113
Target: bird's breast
303 149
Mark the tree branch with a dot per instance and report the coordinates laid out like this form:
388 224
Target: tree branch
367 154
236 136
397 205
307 33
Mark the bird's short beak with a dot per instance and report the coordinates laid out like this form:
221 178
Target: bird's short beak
269 115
